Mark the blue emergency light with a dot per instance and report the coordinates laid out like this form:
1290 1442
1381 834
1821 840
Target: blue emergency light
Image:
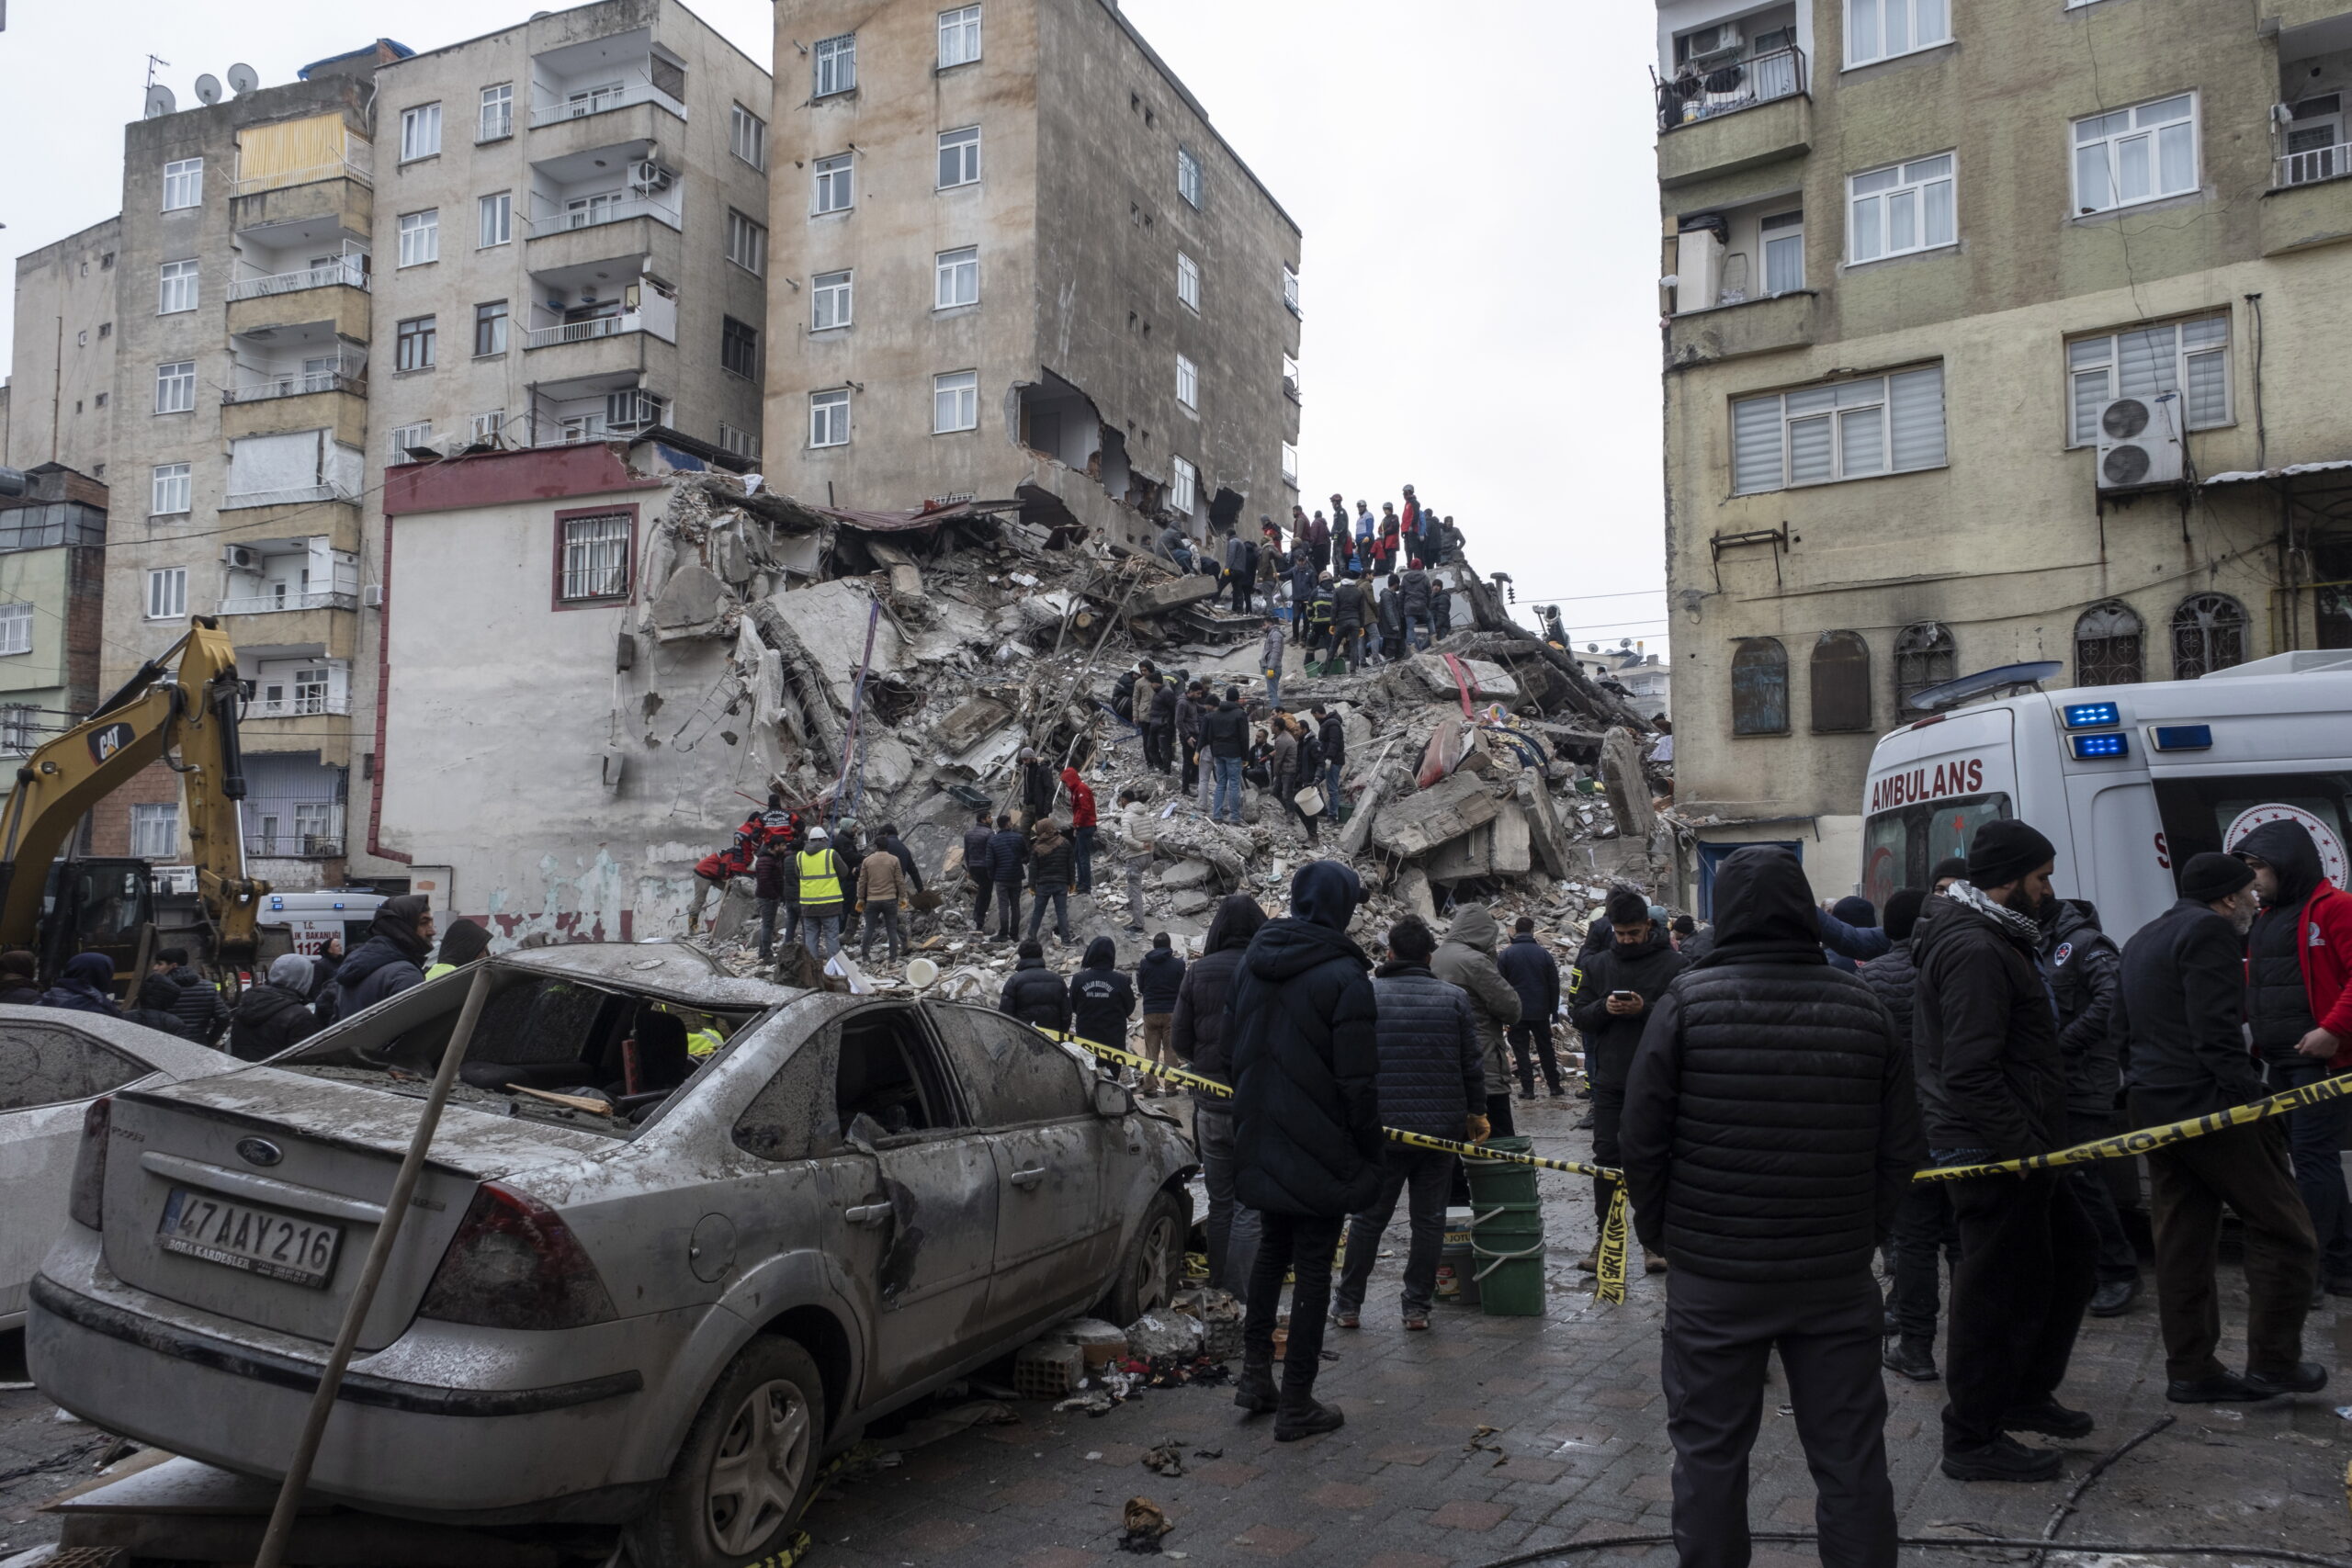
2182 737
2091 715
2090 748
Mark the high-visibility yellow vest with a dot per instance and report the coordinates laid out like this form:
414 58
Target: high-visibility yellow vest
819 873
702 1041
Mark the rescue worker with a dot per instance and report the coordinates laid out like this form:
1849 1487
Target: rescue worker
1270 657
1225 732
1101 998
712 874
1347 625
1414 607
1137 829
463 942
1049 862
1331 740
1160 733
818 872
1188 705
1318 622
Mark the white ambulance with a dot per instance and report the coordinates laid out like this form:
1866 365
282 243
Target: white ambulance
2128 781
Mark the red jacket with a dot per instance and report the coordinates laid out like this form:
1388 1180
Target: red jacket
1082 799
734 861
2327 964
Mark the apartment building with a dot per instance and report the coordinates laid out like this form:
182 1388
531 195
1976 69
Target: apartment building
59 394
1011 257
52 565
1996 331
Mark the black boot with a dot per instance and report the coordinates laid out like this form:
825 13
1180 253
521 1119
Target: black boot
1913 1358
1254 1390
1301 1417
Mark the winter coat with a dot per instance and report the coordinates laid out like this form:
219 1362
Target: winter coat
1037 786
1082 799
1049 863
201 1012
391 961
1160 975
2080 966
1101 999
1331 735
160 992
1535 974
768 879
1270 651
1197 1033
23 994
1306 1057
1008 852
1769 1130
1432 1069
1285 754
1035 994
2297 953
881 879
1892 979
1611 1039
831 865
976 841
1123 694
1163 704
2178 1015
1347 605
1391 613
1466 958
1188 718
85 986
1415 586
1991 1076
1851 944
268 1019
1441 609
1136 833
1225 731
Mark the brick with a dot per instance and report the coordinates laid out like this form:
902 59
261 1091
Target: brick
1343 1495
1406 1560
1227 1472
1466 1514
1403 1454
1268 1540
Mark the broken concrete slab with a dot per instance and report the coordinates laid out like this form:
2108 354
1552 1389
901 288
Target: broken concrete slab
691 599
1188 900
1457 860
1172 593
1188 873
1413 887
1512 851
830 618
1415 824
1548 841
1629 791
975 718
1488 681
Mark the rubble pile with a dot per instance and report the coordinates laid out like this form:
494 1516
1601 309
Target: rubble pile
889 668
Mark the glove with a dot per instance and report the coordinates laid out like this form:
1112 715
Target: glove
1481 1129
861 906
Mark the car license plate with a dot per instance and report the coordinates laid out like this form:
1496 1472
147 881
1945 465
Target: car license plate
241 1236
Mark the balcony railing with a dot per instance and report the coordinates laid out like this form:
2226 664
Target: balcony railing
266 604
295 846
582 331
618 209
289 496
602 99
297 707
346 270
2313 165
352 166
1696 95
295 384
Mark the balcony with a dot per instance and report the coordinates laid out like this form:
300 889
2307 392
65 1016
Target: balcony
1735 330
1757 111
598 211
329 198
291 846
328 631
602 98
583 332
350 272
295 383
303 706
279 603
354 164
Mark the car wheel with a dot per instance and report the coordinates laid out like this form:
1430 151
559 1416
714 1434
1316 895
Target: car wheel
746 1472
1150 1271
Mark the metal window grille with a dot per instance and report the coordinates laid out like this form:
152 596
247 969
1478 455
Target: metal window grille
595 558
2208 633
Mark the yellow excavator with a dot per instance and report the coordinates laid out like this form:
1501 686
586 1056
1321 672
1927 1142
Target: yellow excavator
184 713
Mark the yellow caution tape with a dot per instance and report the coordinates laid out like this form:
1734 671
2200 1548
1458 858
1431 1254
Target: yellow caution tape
2147 1139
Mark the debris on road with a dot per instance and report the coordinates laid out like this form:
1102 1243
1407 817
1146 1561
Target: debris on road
1143 1524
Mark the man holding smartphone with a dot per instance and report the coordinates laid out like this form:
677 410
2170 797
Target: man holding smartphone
1615 987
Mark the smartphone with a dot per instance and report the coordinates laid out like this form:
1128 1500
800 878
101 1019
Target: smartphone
1624 996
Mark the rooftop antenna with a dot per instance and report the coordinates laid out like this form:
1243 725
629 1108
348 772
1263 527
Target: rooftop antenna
208 88
242 78
159 100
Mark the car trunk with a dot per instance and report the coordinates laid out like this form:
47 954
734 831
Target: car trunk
257 1194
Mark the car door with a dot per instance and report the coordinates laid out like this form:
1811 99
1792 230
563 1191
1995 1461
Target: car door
49 1074
1055 1229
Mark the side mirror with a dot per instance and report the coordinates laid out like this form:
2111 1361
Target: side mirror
1112 1097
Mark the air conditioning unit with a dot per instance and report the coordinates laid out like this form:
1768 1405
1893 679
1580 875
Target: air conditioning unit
240 558
371 595
2139 442
648 176
1716 43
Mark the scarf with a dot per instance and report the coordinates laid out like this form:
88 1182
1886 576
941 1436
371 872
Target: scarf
2018 928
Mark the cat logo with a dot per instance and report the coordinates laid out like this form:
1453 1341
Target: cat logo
106 741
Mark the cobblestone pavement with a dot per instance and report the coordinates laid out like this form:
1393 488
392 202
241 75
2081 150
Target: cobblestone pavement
1580 1426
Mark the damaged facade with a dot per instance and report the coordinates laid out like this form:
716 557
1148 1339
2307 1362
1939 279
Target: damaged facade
1012 259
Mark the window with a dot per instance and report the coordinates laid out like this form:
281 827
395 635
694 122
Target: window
414 343
99 401
632 408
420 237
595 558
177 290
829 301
747 137
1841 683
497 113
16 628
1188 176
1290 376
2108 642
1290 464
16 731
497 220
1188 383
169 495
489 328
183 184
154 831
742 442
1924 656
2136 154
105 330
738 348
1759 687
1846 430
747 242
836 64
1783 253
2189 357
1900 209
1879 29
959 36
958 277
487 428
167 593
1290 288
955 402
959 157
1184 492
829 418
834 188
408 438
2314 146
2208 633
420 131
175 387
1188 281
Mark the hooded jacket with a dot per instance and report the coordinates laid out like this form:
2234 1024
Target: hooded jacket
197 1007
1535 974
1432 1069
1347 605
1035 994
1101 999
1892 979
1198 1032
2298 955
2179 1016
977 839
463 942
908 871
1082 799
1415 586
1226 730
881 879
1611 1039
2082 968
1159 978
391 961
269 1017
1985 1033
1162 713
1305 1059
1770 1129
1466 958
1331 735
86 984
1049 863
1188 718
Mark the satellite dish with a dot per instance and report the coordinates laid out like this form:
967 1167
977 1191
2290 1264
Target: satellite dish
208 88
159 101
242 78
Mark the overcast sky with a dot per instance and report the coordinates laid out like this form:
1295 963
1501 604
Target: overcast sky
1480 263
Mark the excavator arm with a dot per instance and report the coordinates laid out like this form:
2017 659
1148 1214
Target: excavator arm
187 717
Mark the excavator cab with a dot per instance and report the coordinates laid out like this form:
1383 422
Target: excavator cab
98 905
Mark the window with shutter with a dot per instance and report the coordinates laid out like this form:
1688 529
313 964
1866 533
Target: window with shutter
2191 358
1924 655
2108 637
1759 687
1845 430
1841 683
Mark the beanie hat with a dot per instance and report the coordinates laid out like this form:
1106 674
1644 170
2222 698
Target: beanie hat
1902 907
2210 875
1954 866
1627 908
2003 851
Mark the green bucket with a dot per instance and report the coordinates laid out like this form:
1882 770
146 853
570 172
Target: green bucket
1492 1226
1510 1279
1497 1181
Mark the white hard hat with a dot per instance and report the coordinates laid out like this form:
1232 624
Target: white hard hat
818 836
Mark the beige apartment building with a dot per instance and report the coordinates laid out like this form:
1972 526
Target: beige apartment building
1011 258
59 398
1995 330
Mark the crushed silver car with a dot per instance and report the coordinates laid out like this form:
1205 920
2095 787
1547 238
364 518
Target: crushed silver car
636 1285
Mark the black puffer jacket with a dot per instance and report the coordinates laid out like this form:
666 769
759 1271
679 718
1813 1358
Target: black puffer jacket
1101 999
1226 730
2082 968
1035 994
1049 862
1305 1063
1197 1033
1535 974
1893 979
1611 1039
199 1007
1415 586
2277 1003
1008 852
2180 1015
1432 1073
1770 1129
391 961
1159 978
1985 1034
975 854
269 1018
